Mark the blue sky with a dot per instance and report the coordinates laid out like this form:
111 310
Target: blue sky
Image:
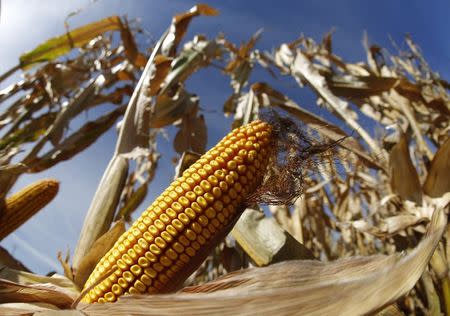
26 23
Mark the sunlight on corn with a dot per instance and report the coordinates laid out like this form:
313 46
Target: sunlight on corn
173 236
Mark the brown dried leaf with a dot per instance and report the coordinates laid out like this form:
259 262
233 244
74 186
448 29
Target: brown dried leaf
186 160
303 69
30 132
438 179
192 135
76 142
391 310
388 226
66 265
75 106
404 178
358 87
27 278
97 251
6 259
179 26
159 73
131 50
240 67
42 293
169 109
132 203
196 54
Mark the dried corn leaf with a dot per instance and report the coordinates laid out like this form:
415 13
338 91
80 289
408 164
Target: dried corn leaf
179 26
132 203
159 73
169 109
303 69
75 106
186 160
357 87
6 259
195 55
97 251
404 178
434 305
388 226
438 179
240 66
27 278
21 309
60 45
131 50
391 310
76 142
30 132
192 135
42 293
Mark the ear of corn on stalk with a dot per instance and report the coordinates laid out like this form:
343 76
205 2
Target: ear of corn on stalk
175 234
19 207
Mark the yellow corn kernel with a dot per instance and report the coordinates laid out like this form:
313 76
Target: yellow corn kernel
168 239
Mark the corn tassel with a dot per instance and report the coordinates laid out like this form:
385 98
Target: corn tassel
176 233
19 207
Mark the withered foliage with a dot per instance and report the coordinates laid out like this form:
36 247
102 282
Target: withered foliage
349 197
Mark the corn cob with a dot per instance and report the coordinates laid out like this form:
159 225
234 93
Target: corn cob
19 207
176 233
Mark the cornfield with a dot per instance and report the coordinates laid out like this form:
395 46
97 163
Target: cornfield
291 213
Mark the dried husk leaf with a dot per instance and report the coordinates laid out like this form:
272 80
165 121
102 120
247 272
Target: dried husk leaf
358 87
404 178
389 226
132 203
42 293
438 180
30 132
105 202
26 278
97 251
186 160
